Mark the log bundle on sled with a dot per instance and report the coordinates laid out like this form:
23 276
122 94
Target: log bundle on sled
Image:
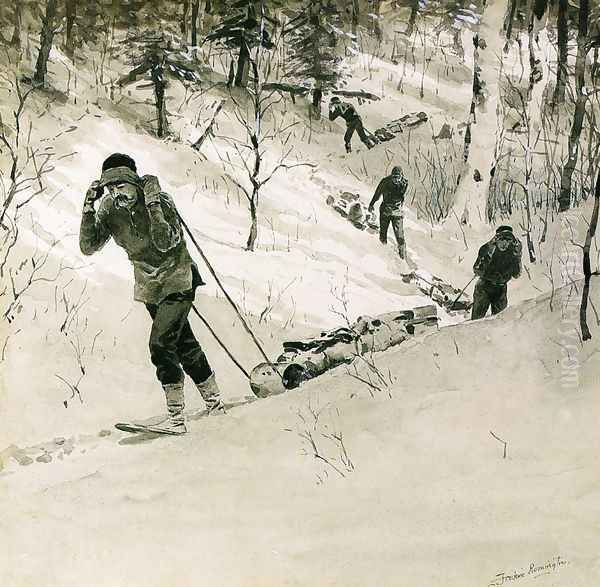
305 359
350 206
392 129
439 291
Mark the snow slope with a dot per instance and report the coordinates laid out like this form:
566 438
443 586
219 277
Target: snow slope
429 498
309 263
423 495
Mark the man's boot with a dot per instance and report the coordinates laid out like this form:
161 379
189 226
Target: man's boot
209 390
348 148
175 422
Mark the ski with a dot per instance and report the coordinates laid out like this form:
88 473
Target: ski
157 429
141 428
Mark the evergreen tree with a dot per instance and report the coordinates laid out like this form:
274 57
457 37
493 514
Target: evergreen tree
241 28
313 38
157 60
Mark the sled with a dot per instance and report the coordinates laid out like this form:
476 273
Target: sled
302 360
439 291
350 206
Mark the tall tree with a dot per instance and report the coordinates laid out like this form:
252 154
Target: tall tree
412 19
587 268
18 17
247 170
244 25
562 29
71 14
537 21
508 23
158 61
375 16
184 18
312 56
566 178
46 38
90 22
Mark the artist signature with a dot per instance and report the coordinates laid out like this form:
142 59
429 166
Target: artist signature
533 571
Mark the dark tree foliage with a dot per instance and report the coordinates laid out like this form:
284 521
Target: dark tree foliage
240 29
157 60
312 36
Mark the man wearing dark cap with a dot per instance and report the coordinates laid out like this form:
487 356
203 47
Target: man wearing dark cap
392 188
143 220
499 261
353 122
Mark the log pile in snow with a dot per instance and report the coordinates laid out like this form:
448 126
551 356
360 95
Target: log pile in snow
305 359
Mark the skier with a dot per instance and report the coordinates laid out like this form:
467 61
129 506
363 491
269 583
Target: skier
499 260
353 122
392 188
143 220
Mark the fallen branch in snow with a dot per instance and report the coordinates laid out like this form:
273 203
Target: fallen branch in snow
502 441
360 94
73 388
292 89
208 132
298 90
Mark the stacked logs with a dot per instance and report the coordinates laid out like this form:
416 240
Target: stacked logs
307 359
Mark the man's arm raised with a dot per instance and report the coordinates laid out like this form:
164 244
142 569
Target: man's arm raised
165 228
93 232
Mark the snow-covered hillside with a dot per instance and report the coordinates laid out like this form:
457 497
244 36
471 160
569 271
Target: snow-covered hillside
470 459
424 494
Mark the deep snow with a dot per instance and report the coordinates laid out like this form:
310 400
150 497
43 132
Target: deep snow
430 500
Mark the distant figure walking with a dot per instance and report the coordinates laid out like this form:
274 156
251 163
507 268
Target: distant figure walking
392 188
143 220
353 122
499 261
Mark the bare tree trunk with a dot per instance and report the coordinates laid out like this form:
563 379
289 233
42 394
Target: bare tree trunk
476 86
562 27
564 198
71 14
508 24
376 11
184 19
251 243
195 8
458 44
414 11
355 16
587 269
90 18
18 16
158 78
46 38
537 21
317 97
243 65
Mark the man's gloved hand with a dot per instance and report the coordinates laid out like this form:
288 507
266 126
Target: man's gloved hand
371 208
151 189
93 193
